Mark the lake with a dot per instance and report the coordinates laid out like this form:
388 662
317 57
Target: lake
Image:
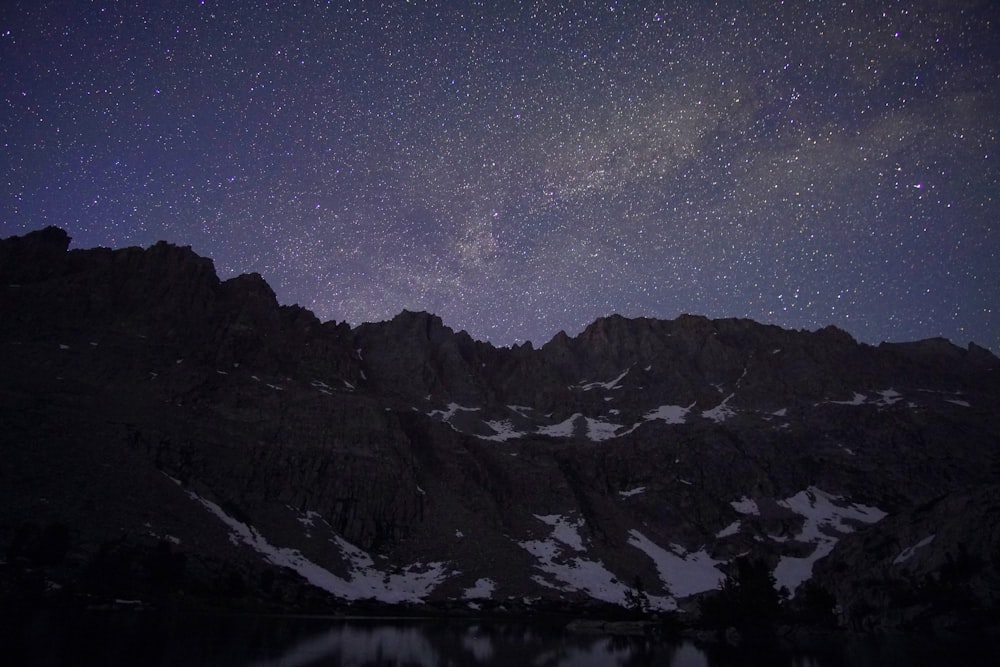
145 638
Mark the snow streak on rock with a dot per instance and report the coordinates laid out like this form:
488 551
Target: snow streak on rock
731 529
365 581
887 397
720 412
858 399
576 425
611 384
572 573
452 410
564 530
907 553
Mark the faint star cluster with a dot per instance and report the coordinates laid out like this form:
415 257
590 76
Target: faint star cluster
521 168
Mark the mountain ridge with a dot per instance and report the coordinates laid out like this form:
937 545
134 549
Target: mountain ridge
406 462
52 244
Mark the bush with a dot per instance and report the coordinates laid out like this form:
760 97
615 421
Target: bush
748 598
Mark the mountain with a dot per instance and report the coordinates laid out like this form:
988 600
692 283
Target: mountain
169 436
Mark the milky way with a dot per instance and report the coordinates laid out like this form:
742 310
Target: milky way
523 168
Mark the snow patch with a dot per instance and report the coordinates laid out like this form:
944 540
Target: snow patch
563 429
720 412
683 572
449 413
308 520
571 573
481 590
564 530
598 430
956 401
746 505
631 492
672 414
822 515
889 397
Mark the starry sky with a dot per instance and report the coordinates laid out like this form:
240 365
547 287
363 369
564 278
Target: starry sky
521 168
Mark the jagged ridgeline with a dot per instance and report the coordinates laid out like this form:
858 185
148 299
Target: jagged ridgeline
166 435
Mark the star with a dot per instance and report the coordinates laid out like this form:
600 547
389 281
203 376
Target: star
523 168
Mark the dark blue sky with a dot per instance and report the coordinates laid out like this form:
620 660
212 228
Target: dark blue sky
521 168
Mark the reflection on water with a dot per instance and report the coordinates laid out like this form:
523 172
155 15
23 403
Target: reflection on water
350 644
441 643
259 641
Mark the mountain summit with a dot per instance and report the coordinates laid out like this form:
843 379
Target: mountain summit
196 440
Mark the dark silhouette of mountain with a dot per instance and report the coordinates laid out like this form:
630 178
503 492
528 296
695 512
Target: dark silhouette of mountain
170 437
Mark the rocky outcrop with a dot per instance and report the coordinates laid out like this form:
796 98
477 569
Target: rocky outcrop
934 567
149 408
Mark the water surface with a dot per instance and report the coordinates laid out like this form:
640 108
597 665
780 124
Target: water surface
145 638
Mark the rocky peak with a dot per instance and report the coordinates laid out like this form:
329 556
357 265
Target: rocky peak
250 286
983 358
415 355
419 324
942 356
29 257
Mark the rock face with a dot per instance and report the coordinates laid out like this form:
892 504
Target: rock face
935 566
202 438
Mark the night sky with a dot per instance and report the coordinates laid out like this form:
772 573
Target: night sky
522 168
